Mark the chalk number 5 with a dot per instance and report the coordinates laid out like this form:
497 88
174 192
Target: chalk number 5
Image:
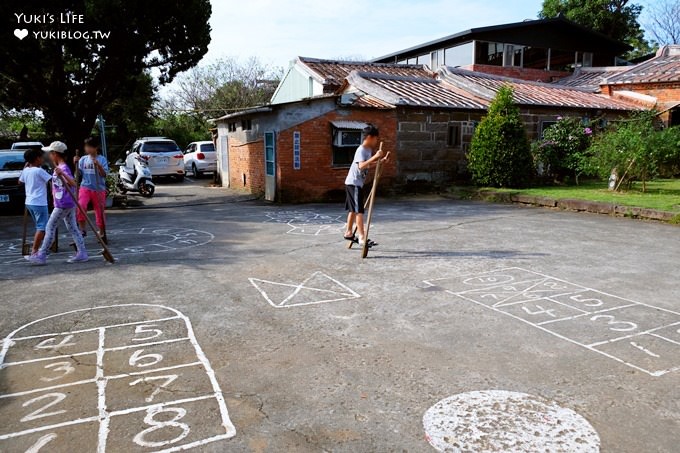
147 329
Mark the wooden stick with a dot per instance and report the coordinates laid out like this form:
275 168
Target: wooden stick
25 249
374 189
354 232
616 189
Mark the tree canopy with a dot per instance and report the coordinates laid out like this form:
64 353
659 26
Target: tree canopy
617 19
500 154
73 80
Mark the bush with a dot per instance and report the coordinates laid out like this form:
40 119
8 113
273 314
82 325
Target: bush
500 154
635 149
561 153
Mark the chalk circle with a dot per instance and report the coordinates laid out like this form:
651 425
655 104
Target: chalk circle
502 421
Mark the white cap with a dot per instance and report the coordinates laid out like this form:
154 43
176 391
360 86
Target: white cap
57 147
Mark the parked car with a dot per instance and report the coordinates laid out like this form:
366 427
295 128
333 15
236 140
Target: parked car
163 155
27 145
12 194
200 157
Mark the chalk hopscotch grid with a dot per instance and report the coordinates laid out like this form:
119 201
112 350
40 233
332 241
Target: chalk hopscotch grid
101 381
467 294
187 237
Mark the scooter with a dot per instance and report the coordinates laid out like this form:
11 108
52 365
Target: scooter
137 180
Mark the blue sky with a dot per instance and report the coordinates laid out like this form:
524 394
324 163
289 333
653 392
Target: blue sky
277 31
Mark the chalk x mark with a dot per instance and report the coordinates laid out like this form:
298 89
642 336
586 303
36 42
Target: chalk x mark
342 291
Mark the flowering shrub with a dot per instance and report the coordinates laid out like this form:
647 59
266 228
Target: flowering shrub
562 152
635 149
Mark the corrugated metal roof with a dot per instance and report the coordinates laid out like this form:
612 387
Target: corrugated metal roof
412 91
591 78
336 70
665 67
344 124
531 93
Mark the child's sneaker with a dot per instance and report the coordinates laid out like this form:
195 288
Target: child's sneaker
38 259
80 257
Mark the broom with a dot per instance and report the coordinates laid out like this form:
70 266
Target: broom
106 252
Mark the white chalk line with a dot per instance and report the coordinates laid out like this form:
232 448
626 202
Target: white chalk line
539 326
93 380
119 253
93 329
117 348
6 342
664 338
194 444
625 337
103 431
645 350
107 415
144 345
562 337
43 389
350 294
230 430
48 427
45 359
583 315
151 371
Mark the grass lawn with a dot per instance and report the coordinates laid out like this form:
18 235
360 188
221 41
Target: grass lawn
663 195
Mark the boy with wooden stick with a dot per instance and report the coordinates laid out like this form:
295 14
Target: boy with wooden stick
354 183
93 169
64 208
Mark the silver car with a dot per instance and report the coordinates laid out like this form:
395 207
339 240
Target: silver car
199 158
163 155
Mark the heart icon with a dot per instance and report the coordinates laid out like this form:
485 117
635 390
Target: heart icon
21 34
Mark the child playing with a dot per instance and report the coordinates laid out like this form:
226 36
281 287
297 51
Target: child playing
64 208
93 169
354 184
35 179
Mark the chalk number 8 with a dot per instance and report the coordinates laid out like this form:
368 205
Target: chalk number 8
155 425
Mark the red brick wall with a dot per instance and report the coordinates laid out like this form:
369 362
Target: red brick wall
317 179
534 75
664 92
246 159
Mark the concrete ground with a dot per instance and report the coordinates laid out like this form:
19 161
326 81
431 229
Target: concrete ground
314 349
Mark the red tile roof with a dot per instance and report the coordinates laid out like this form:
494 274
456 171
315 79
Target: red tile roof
665 67
531 93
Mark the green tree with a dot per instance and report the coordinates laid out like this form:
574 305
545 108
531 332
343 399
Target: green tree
72 80
617 19
636 149
500 154
224 86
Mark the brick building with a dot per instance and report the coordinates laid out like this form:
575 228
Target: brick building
300 150
654 83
